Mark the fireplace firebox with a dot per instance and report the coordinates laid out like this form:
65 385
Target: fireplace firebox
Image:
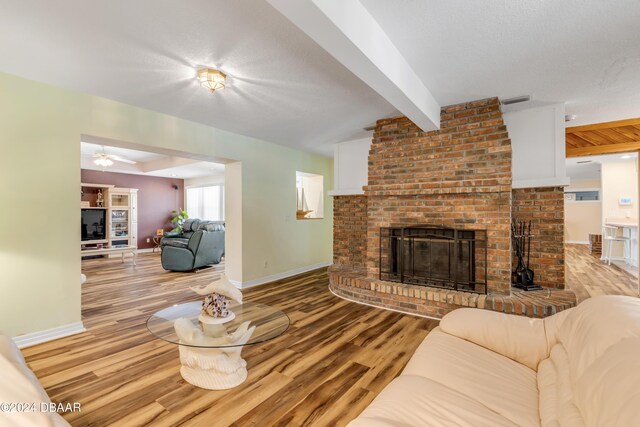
441 257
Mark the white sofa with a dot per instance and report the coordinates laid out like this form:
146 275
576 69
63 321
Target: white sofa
19 386
580 367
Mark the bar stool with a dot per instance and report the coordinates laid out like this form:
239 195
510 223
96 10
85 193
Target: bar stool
609 237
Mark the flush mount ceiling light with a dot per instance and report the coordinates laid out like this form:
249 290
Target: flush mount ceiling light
211 79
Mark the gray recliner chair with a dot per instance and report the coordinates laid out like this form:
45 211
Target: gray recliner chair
201 243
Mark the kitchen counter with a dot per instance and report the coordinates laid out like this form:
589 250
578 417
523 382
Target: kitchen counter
629 228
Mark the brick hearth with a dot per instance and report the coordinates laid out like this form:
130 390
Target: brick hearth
352 284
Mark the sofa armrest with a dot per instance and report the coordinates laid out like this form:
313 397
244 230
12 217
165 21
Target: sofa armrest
194 241
172 234
177 259
552 326
519 338
177 243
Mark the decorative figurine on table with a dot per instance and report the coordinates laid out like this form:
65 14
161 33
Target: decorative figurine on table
218 296
211 357
99 199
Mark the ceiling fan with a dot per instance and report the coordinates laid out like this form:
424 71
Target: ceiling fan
103 159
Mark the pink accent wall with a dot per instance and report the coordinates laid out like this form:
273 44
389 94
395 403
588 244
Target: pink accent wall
157 197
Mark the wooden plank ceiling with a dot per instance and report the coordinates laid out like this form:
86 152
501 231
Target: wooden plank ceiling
603 138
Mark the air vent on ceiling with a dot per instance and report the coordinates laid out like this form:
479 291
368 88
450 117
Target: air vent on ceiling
584 161
516 100
369 128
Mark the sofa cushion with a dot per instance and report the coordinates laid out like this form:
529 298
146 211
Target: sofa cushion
211 226
412 400
15 388
519 338
18 384
10 351
500 384
557 407
595 325
547 388
188 225
608 392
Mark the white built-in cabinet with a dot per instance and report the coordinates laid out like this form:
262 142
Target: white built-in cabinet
123 217
118 207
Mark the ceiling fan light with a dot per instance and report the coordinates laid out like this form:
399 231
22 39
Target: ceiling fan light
103 161
211 79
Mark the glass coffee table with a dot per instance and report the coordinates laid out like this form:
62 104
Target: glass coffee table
210 348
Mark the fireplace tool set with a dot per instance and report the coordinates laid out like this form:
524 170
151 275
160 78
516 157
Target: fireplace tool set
522 276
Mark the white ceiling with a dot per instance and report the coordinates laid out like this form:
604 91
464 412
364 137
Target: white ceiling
582 52
285 89
150 164
282 86
589 167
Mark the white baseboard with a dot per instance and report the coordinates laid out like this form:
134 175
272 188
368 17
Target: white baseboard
262 280
577 242
34 338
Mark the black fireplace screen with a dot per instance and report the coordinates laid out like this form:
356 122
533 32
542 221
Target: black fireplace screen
434 256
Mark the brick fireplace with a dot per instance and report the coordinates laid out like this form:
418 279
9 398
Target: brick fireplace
457 178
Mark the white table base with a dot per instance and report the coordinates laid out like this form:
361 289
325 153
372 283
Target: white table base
213 368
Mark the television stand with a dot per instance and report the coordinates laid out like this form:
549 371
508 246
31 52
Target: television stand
114 250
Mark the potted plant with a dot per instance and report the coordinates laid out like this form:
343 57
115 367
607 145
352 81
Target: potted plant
178 220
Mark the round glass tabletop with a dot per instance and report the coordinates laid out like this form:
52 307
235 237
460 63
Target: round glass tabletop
269 323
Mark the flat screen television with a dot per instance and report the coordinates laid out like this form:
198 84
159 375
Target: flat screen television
93 224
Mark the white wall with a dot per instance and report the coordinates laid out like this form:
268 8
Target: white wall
538 152
538 146
619 179
40 131
314 195
204 180
350 167
582 218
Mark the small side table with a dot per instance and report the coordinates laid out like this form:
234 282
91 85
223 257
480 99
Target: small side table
156 241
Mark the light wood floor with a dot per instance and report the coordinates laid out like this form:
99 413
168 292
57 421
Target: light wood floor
333 360
323 371
589 277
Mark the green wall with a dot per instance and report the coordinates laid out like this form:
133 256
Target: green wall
40 128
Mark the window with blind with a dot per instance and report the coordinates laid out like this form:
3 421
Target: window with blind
206 202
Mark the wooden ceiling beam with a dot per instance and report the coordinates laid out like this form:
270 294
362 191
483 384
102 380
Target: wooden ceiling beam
616 136
578 141
625 147
630 132
605 125
596 138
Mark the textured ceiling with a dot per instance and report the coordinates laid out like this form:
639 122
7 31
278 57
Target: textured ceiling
590 167
582 52
283 87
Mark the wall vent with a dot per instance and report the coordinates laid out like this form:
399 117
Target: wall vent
516 100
